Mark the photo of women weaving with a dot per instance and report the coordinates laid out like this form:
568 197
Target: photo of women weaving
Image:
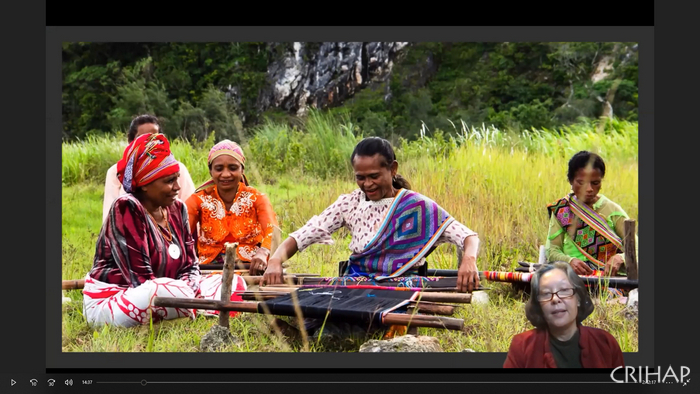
391 199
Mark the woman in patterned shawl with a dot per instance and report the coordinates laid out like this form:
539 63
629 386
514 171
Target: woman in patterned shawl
145 248
393 228
586 229
227 209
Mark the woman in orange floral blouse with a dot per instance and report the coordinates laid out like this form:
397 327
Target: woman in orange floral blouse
227 209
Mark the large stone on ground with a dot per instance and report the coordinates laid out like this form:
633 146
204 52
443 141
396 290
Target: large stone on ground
405 343
216 338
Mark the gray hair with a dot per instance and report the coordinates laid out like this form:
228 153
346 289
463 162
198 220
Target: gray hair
533 309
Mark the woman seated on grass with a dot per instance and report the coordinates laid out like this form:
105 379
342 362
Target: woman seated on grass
140 125
558 305
586 229
393 228
145 248
227 209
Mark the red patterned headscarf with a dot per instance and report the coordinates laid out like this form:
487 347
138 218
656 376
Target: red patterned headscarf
146 159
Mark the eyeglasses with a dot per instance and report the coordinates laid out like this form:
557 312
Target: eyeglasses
563 293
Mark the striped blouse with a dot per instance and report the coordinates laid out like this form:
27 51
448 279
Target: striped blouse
132 249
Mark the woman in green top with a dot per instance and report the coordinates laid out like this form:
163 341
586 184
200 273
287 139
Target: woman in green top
586 229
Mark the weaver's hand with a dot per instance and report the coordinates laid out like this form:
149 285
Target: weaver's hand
274 273
580 267
467 275
258 264
613 265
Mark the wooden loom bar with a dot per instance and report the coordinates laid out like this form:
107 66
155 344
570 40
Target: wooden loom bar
447 310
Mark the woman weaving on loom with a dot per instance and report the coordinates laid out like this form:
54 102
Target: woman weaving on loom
392 227
586 229
145 248
227 209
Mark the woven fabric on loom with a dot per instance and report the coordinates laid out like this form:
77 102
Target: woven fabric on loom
409 281
366 305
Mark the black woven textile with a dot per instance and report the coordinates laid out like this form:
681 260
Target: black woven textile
365 305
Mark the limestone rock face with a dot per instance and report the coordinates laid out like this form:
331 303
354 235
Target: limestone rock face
321 75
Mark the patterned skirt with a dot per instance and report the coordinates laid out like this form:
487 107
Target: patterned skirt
105 303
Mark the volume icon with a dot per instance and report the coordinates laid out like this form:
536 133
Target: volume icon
69 382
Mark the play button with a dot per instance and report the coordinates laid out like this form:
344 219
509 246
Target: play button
12 382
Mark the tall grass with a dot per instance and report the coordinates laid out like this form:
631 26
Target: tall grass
495 182
322 145
322 148
618 140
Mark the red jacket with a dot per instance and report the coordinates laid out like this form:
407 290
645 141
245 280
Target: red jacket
530 349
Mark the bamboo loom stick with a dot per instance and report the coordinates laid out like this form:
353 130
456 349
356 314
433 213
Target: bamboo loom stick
240 265
257 296
524 277
441 272
246 274
403 319
457 298
630 250
73 284
76 284
226 278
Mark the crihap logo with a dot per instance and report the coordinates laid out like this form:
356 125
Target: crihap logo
645 376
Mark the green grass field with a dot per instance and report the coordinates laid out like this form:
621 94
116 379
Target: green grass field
497 184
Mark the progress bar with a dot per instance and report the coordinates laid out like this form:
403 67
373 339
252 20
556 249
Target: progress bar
145 382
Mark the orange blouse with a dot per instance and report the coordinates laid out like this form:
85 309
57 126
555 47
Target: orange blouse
249 222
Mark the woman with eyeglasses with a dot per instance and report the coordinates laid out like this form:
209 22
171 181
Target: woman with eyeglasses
558 304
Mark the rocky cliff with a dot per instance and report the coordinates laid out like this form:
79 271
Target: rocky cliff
322 75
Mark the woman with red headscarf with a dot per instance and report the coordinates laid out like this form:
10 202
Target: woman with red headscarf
145 248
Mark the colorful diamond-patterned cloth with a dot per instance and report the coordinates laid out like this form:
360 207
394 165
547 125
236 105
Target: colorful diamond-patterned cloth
593 237
408 233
